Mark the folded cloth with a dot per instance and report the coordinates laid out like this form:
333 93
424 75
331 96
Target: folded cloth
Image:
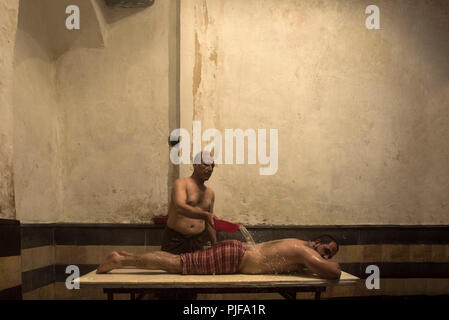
223 258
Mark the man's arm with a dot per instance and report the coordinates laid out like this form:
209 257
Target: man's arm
322 267
210 229
179 198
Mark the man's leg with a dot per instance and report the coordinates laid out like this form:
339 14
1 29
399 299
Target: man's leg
158 260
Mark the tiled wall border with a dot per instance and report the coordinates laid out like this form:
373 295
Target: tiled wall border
9 238
10 260
37 278
14 293
34 235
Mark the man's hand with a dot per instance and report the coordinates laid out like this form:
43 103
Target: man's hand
212 233
210 219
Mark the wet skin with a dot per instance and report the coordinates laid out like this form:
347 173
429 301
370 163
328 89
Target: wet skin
279 256
289 256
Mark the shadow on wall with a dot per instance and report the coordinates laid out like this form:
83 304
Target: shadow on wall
51 31
53 34
130 3
115 10
428 34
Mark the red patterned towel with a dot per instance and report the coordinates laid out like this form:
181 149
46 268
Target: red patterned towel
223 258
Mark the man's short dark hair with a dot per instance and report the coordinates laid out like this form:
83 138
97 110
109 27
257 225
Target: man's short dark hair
326 239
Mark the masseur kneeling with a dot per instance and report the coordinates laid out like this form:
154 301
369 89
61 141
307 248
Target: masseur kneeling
232 256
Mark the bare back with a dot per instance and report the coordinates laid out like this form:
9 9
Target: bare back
273 257
186 190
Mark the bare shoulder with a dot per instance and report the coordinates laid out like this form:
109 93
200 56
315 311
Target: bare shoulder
210 191
307 254
294 243
302 250
180 182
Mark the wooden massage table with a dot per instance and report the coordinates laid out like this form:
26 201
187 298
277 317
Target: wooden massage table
138 282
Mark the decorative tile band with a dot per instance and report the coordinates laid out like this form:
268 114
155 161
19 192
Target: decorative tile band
151 235
9 238
37 257
14 293
37 278
10 272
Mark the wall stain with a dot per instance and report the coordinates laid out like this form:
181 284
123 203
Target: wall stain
213 56
139 209
206 15
7 198
197 68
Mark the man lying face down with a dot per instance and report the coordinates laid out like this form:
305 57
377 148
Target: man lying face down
232 256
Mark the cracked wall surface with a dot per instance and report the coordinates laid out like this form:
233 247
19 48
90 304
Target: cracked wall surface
37 118
8 19
116 113
92 113
363 115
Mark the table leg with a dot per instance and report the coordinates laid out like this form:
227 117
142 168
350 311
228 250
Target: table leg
318 291
289 295
140 296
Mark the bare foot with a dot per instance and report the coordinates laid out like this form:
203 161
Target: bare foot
112 261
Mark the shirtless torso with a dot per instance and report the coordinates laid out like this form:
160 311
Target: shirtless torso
286 256
187 191
274 256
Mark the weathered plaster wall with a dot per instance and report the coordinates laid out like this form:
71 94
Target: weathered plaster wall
8 21
37 118
116 119
363 115
92 112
